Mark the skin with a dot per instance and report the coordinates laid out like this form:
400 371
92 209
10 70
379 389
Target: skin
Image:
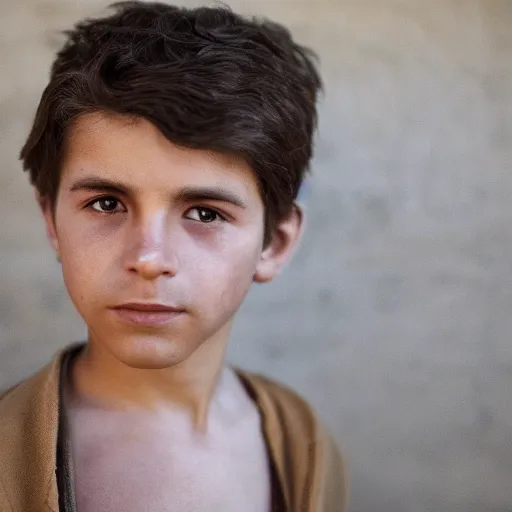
135 221
157 420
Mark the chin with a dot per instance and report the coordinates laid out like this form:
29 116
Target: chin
147 353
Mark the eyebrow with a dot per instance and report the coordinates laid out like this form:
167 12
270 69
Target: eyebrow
189 194
186 194
99 184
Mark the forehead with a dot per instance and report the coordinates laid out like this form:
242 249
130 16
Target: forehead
136 152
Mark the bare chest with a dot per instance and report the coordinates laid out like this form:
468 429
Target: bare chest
139 467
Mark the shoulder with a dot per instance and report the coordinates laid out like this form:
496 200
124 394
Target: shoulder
278 399
32 402
44 381
291 411
21 400
36 395
277 394
26 388
29 413
26 434
299 437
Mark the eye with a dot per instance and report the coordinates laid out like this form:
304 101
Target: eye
107 204
204 215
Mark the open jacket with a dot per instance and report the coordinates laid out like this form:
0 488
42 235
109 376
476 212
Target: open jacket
307 463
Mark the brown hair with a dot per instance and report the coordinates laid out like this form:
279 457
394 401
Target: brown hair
206 77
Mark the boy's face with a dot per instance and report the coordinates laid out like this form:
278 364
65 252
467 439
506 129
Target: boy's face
139 221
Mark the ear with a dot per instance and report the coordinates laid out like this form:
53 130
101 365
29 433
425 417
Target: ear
49 220
281 247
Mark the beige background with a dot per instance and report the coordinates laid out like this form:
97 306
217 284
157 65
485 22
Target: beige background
394 319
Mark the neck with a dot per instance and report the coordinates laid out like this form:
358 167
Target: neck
100 380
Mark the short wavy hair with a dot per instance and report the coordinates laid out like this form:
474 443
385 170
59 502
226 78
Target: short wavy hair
206 78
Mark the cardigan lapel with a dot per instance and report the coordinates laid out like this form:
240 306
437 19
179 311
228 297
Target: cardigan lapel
29 415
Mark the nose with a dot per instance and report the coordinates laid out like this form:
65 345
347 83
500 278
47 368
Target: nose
148 254
152 265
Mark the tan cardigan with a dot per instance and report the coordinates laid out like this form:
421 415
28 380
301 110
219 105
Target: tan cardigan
309 468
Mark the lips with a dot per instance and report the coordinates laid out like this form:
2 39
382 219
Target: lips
147 306
148 314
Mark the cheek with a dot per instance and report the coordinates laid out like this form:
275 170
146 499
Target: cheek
83 268
224 275
80 281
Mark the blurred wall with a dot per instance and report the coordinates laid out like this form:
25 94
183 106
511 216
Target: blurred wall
394 318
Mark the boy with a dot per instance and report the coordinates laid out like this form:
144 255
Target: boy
166 154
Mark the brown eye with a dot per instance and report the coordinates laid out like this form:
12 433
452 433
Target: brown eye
107 205
204 215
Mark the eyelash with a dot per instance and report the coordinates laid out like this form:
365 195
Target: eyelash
90 204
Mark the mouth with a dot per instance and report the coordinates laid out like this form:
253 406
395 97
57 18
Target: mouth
147 314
